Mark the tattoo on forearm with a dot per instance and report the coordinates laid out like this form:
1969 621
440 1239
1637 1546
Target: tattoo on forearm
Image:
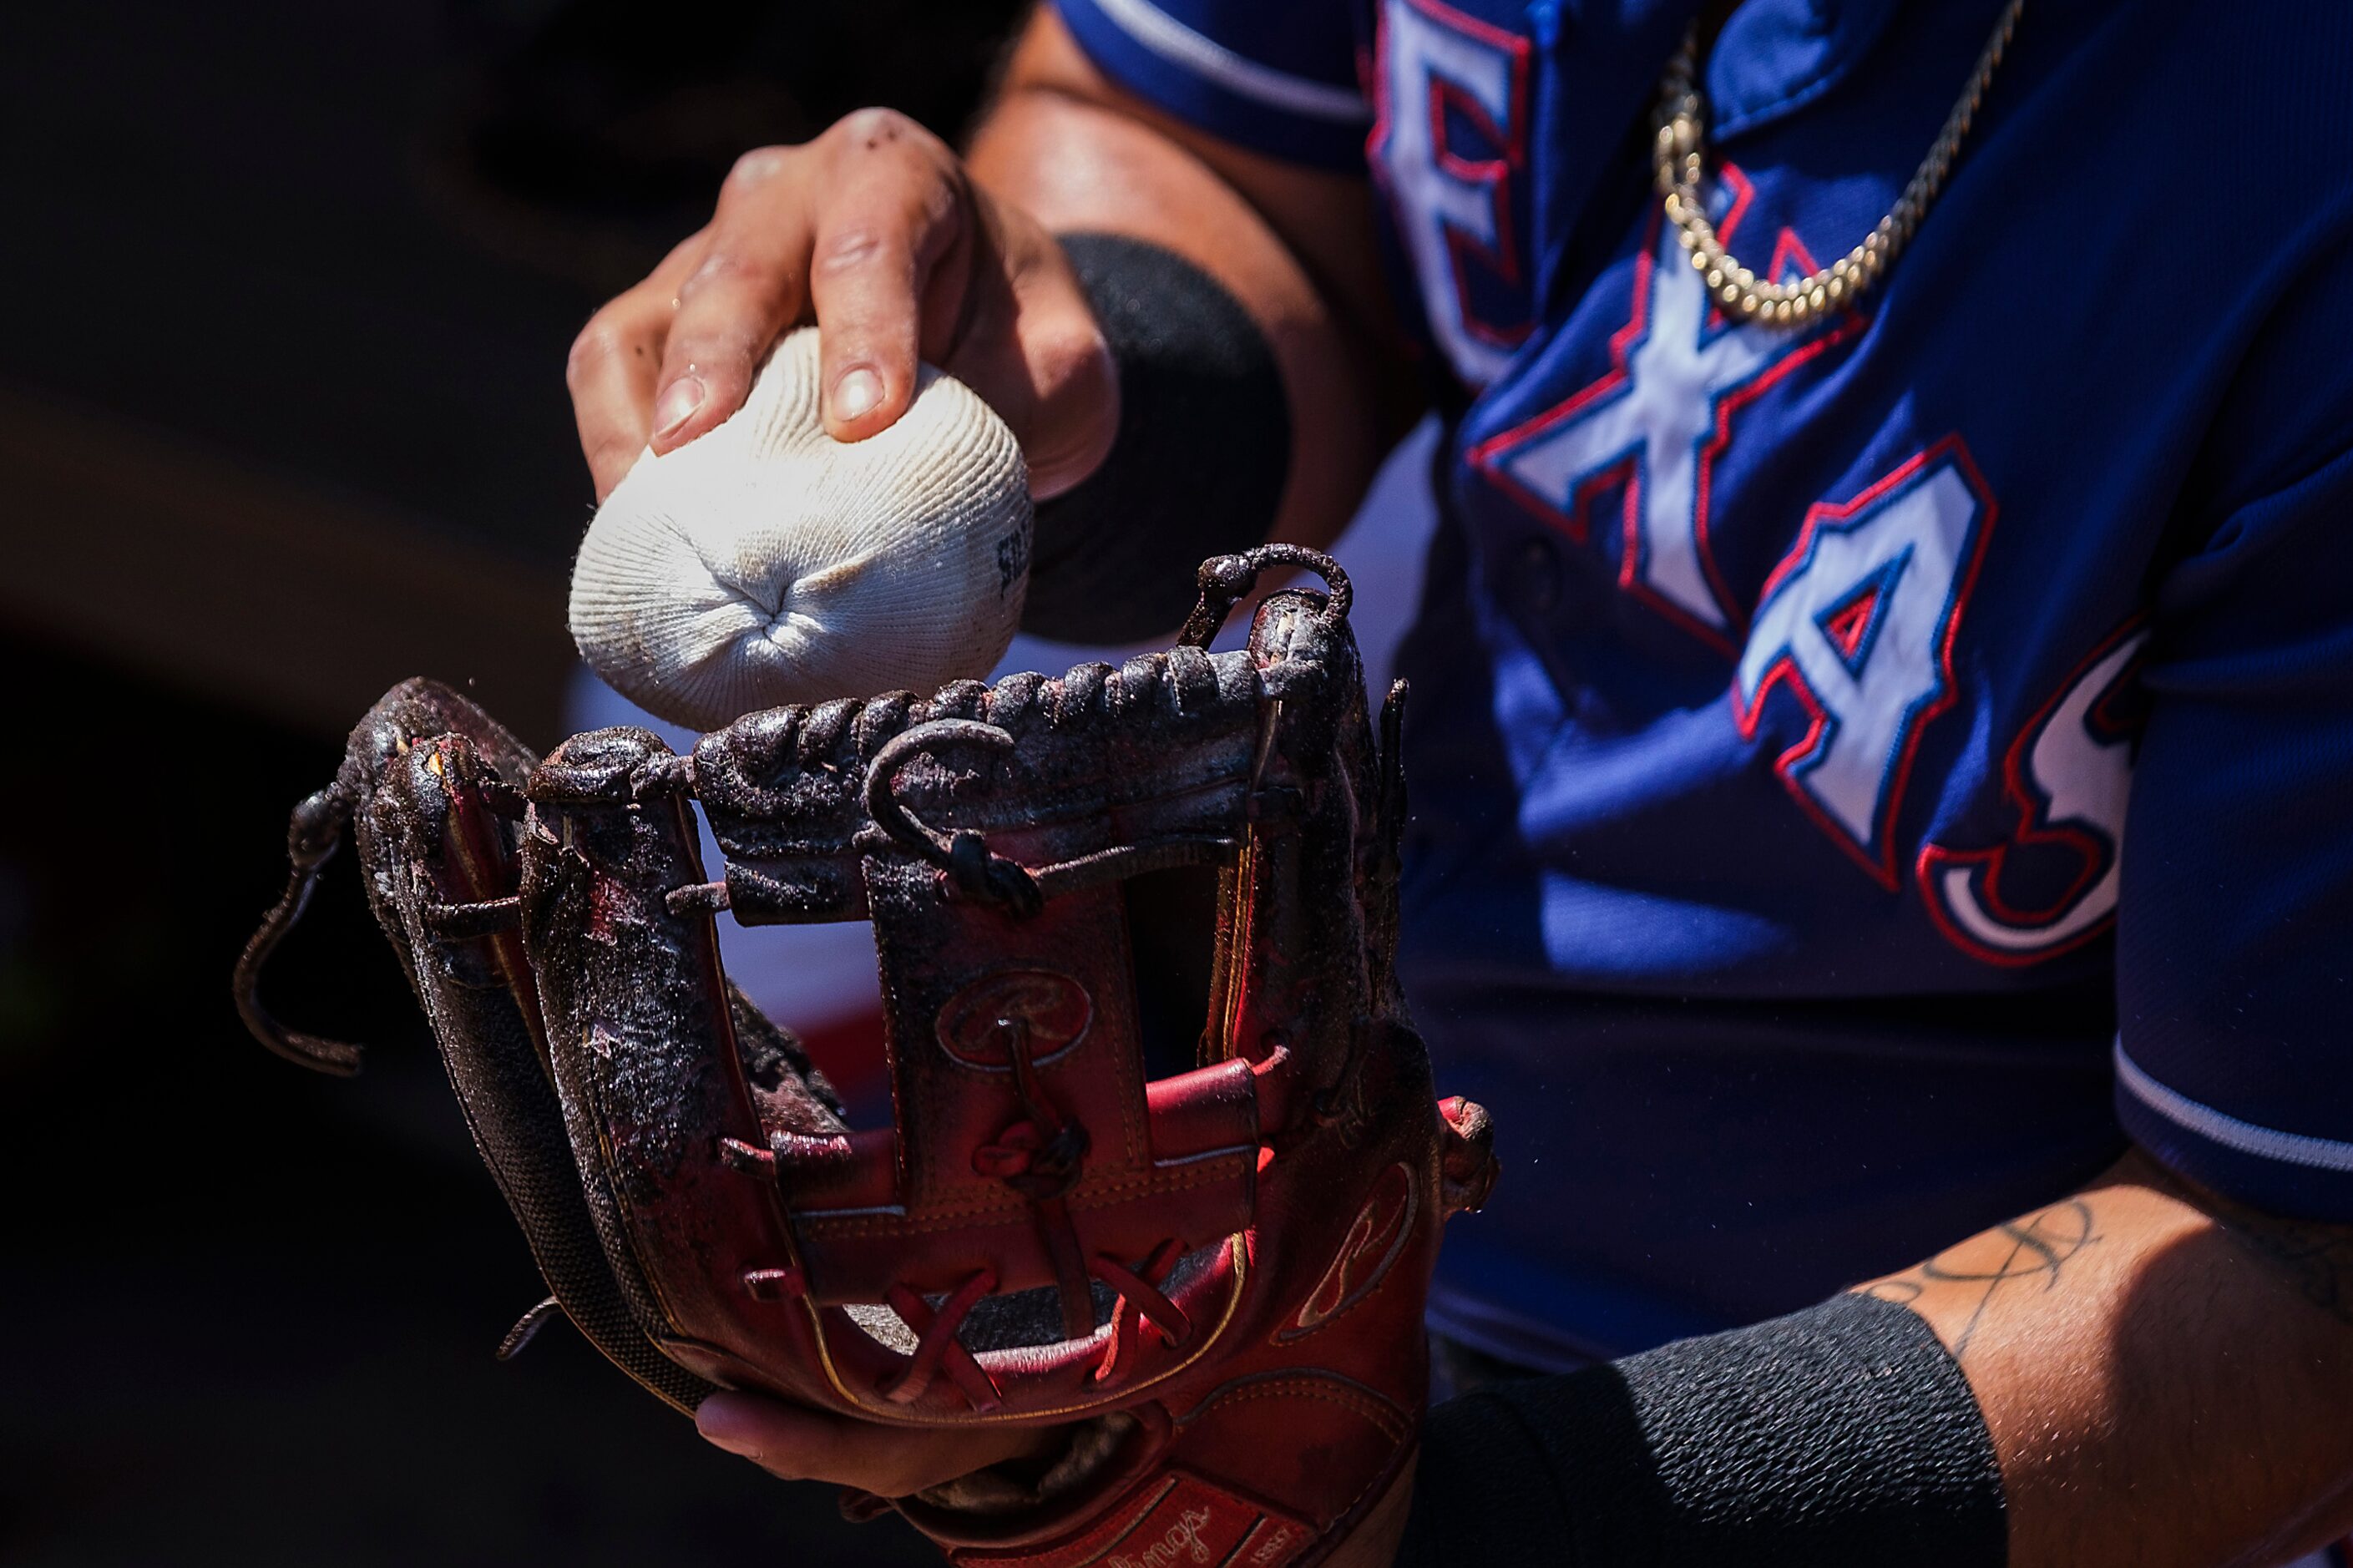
2315 1260
2014 1254
2312 1260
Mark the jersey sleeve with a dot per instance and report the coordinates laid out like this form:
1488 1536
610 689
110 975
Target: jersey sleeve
1279 79
2234 957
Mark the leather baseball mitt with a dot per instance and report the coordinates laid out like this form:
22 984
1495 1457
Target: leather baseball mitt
1216 1277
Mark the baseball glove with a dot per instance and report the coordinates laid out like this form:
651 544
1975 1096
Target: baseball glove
1218 1276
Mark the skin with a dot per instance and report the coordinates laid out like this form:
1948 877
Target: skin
879 234
2166 1375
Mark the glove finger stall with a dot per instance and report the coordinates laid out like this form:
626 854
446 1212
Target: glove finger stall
430 842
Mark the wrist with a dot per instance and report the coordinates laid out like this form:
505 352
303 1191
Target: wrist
1841 1434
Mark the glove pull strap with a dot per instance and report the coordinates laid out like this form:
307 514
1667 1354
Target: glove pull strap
1226 580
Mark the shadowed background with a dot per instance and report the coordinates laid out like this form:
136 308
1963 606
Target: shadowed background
282 414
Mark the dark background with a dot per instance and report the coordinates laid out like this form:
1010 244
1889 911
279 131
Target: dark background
287 289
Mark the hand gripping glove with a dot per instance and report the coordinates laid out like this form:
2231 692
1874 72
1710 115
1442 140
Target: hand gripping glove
1220 1274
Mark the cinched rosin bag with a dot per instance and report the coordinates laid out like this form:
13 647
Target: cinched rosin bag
1219 1273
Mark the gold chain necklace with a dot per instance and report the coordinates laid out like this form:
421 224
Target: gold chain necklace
1678 158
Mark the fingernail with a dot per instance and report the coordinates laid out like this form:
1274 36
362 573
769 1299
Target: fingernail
678 404
855 393
721 1425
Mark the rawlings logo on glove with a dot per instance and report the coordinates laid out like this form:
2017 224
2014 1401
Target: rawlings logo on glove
1228 1263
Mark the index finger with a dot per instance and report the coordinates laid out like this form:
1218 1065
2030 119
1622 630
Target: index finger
750 280
611 369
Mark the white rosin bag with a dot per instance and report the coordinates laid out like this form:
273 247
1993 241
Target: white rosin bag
766 562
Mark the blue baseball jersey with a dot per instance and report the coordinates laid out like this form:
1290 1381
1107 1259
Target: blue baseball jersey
1783 698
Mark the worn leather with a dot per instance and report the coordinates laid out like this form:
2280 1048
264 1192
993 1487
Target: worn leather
1236 1256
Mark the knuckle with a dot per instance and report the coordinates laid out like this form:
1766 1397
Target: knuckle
724 266
887 136
854 249
756 168
940 208
600 343
1079 358
756 280
871 129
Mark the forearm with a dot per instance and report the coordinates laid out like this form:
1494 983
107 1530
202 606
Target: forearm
2139 1375
2166 1379
1292 247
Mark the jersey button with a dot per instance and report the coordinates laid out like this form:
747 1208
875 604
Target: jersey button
1535 577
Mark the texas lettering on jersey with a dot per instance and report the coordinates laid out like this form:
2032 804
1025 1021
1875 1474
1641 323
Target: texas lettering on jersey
2068 774
1816 663
1857 622
1450 143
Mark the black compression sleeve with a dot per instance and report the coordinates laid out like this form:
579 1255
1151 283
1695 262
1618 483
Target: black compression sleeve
1844 1433
1197 466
